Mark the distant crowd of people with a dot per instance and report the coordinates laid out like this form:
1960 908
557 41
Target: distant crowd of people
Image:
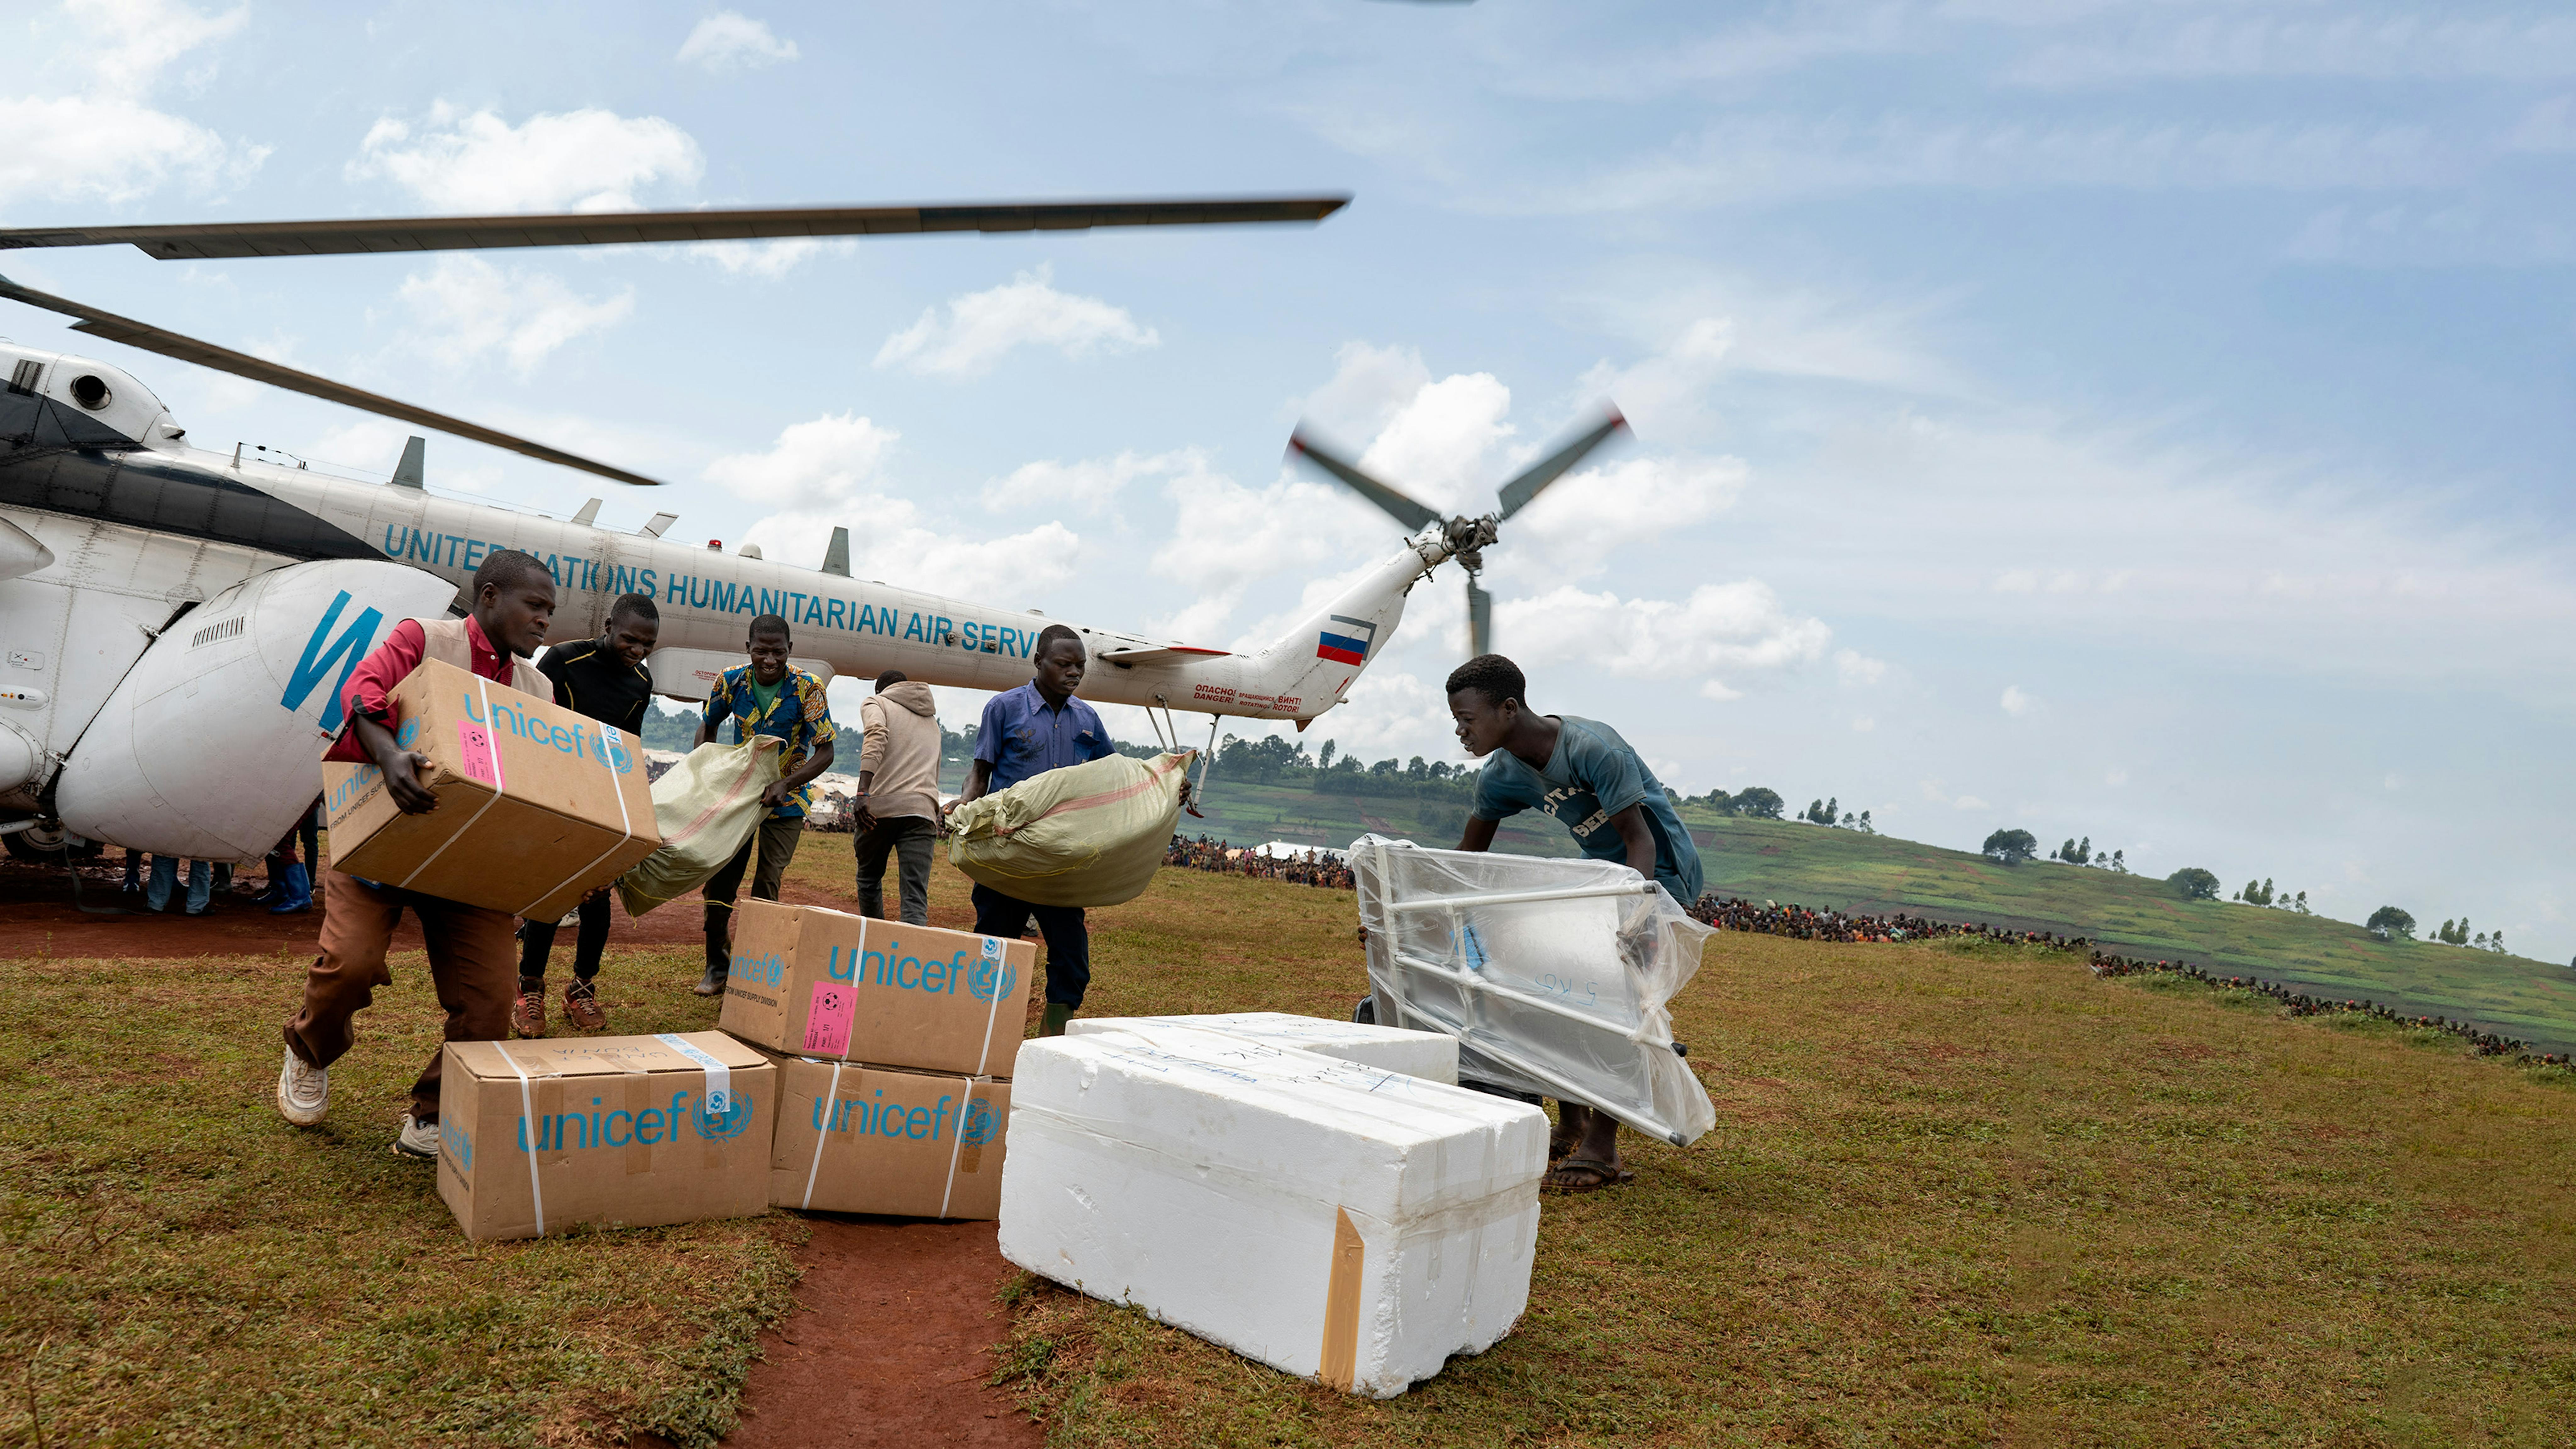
2485 1043
1734 913
1310 867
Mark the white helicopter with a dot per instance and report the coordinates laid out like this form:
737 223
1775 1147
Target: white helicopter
178 622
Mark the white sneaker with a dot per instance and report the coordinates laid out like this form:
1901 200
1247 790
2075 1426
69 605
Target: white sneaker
303 1093
417 1138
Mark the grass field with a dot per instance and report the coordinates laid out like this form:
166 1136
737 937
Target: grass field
2135 915
1956 1196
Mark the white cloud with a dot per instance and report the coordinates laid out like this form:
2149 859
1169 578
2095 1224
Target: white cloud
1446 446
1857 669
586 160
2393 783
1721 629
1600 517
830 471
1090 484
726 42
2251 46
766 260
97 140
1862 724
1225 536
1368 386
2116 779
1717 690
2016 702
1390 713
1970 802
1766 159
983 327
468 307
829 460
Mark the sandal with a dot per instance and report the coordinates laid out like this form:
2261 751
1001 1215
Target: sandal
1585 1174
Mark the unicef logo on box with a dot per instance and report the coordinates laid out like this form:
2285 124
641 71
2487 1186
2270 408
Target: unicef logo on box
991 976
980 1126
726 1125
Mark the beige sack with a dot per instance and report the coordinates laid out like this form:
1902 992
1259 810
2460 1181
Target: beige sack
1087 835
707 806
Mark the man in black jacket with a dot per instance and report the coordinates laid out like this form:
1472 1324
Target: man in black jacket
605 679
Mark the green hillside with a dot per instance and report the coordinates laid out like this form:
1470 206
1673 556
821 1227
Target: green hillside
1847 870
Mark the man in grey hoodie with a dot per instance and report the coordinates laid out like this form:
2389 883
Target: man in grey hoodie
897 809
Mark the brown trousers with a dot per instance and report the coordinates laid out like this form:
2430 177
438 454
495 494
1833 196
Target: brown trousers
472 962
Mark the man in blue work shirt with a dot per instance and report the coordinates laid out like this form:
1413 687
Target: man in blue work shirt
1028 731
1580 771
771 697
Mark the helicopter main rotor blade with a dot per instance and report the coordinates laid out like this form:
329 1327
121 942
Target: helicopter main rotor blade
223 359
1480 619
1518 492
211 240
1402 509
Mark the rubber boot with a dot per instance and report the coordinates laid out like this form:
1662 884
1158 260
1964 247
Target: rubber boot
295 893
719 966
1051 1022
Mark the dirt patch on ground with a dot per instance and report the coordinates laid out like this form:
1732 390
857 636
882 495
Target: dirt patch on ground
48 921
891 1344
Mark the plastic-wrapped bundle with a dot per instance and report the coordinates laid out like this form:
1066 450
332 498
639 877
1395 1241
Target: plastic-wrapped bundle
1554 975
1086 835
707 806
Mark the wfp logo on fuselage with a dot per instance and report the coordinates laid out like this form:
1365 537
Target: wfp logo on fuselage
571 1131
892 966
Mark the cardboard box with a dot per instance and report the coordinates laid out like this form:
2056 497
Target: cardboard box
859 1139
537 806
819 983
630 1130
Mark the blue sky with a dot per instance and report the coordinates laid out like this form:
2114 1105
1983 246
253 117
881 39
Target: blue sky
2138 420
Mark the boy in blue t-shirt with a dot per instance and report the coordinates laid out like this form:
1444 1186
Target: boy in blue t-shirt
1580 771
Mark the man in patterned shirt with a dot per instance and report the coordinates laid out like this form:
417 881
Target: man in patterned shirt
765 697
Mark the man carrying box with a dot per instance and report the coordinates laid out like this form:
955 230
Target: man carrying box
1584 774
605 679
765 697
470 960
1027 731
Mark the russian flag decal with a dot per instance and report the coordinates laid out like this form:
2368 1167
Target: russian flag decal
1347 644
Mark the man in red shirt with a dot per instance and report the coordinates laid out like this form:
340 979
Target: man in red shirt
472 960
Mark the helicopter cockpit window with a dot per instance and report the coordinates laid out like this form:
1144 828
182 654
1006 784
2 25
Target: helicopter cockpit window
89 391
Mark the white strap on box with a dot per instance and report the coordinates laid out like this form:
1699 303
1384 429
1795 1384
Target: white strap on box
831 1104
993 1009
625 823
719 1076
500 787
528 1114
957 1151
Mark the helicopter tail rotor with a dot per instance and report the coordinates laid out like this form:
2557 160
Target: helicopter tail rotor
1467 538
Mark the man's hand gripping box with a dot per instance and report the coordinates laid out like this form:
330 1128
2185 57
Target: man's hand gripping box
537 806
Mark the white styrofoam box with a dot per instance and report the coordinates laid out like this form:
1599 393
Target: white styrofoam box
1332 1220
1429 1055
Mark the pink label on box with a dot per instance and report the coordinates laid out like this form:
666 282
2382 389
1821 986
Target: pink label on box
475 755
827 1018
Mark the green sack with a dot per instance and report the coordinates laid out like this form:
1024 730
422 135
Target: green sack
1086 835
707 806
